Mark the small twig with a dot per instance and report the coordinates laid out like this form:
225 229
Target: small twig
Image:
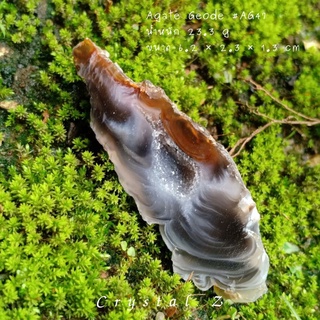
259 87
308 121
287 120
244 141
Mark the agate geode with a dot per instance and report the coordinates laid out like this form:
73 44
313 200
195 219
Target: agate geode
179 177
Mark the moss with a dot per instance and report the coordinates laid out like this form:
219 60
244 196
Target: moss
70 235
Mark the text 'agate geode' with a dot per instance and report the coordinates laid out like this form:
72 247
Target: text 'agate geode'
180 178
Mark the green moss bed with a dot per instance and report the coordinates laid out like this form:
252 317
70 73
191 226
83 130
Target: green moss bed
72 243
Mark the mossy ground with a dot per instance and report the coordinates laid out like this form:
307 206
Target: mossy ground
68 232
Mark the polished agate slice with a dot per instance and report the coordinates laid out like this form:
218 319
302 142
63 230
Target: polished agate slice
179 177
